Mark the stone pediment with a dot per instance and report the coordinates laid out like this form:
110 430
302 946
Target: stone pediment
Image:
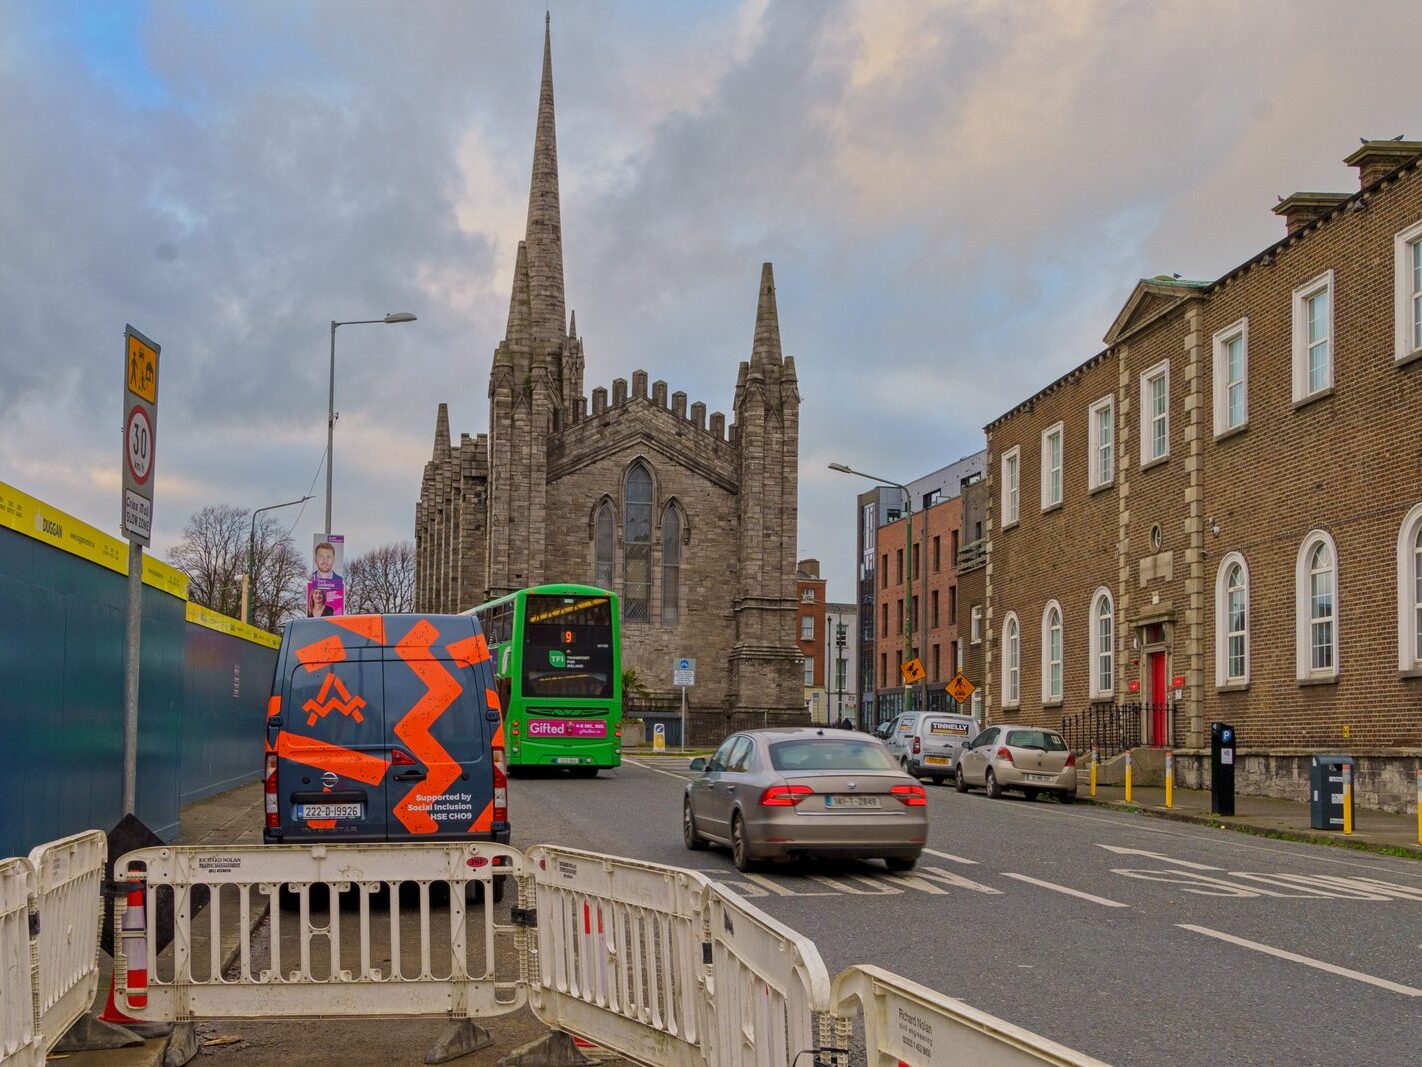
640 425
1151 298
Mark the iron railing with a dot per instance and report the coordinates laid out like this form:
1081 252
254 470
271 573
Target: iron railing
1113 727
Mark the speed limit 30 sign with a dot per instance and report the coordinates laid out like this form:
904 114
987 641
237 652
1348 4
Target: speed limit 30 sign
140 433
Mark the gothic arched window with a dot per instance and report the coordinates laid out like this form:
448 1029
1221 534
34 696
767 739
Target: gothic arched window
637 545
604 546
671 565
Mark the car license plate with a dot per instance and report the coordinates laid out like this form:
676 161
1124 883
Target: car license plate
1038 777
936 760
328 811
851 802
566 759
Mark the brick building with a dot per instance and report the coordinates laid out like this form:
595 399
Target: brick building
692 522
919 589
1219 515
810 634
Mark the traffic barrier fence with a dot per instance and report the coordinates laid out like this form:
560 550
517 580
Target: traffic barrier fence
50 915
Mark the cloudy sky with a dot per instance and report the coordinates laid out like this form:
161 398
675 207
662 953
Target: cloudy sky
957 198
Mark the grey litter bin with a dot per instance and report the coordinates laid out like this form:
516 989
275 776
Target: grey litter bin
1326 791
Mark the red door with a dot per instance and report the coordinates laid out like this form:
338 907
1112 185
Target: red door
1156 705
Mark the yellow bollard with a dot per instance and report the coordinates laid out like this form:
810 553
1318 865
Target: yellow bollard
1170 779
1419 805
1347 798
1419 788
1128 776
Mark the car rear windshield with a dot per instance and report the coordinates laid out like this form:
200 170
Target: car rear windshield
1043 739
830 754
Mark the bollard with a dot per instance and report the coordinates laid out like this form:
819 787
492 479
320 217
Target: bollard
1128 776
1170 779
1347 798
1419 805
1419 788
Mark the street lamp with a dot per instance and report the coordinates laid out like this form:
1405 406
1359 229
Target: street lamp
393 318
908 551
250 576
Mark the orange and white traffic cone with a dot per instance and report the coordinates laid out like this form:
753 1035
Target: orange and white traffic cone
134 936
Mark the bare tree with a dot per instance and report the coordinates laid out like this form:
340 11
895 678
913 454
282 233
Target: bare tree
213 554
382 581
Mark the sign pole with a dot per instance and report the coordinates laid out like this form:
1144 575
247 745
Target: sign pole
683 718
130 676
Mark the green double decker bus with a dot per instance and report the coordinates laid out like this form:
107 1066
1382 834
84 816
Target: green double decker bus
559 671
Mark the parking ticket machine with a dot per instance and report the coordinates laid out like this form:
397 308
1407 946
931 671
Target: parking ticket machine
1222 741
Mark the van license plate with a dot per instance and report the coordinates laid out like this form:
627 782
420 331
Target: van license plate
937 761
329 811
851 802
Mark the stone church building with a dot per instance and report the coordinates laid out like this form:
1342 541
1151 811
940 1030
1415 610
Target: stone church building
693 523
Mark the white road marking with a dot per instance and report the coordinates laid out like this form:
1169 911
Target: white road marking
1065 889
1307 961
1157 856
950 856
649 767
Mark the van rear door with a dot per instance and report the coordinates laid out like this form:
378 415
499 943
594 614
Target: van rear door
332 751
436 714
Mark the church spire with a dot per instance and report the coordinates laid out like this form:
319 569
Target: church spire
520 320
765 350
544 234
442 446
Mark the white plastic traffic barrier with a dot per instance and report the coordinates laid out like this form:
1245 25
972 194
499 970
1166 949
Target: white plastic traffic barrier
909 1025
620 954
369 930
67 905
770 988
20 1046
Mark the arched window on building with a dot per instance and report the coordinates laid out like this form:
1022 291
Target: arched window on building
1316 608
1409 592
1011 662
1232 622
1103 644
604 546
1052 653
671 565
637 546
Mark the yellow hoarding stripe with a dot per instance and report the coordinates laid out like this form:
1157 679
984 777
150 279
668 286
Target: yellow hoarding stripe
32 517
213 620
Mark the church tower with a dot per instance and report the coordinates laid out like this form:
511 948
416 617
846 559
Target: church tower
537 372
767 411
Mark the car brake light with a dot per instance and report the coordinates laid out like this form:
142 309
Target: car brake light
1071 759
501 787
913 796
269 789
784 796
917 745
1005 753
400 758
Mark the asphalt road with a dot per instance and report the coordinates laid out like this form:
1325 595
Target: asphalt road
1133 939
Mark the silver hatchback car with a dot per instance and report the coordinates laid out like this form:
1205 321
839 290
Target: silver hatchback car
1025 758
802 791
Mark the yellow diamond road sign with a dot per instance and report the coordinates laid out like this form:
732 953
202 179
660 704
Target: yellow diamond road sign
913 671
960 689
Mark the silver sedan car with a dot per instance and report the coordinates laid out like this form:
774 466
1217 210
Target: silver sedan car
805 791
1029 759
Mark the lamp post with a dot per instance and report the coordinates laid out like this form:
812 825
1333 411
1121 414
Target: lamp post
250 576
908 551
391 319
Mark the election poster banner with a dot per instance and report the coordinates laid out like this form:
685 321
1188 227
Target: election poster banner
326 588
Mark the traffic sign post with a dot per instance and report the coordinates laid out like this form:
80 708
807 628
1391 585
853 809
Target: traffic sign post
683 675
140 459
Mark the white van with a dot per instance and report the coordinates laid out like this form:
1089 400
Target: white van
929 745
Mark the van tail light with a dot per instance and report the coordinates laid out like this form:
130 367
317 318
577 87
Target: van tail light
912 796
1071 759
400 758
501 787
269 791
784 796
1005 753
917 745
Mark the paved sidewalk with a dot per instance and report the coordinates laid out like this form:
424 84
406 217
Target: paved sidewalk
1289 819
